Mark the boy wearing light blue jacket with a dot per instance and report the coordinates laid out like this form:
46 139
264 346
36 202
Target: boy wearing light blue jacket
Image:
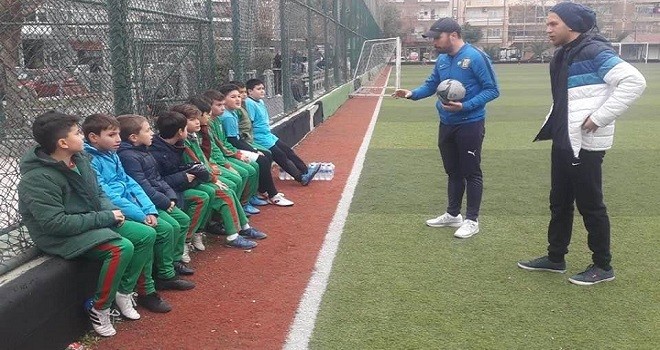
102 141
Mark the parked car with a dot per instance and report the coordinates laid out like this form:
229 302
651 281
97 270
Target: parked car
50 83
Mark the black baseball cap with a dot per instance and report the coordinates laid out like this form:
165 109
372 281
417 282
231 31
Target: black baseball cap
443 25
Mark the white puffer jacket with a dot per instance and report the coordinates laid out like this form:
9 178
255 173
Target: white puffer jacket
601 87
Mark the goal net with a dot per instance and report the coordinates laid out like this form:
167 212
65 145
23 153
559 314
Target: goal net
377 59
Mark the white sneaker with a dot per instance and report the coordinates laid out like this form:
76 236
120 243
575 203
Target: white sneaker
126 305
279 200
468 229
197 241
185 257
446 220
101 322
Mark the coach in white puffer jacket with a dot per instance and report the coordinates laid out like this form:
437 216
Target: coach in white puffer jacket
591 87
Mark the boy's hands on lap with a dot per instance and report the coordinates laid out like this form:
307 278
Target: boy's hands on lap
222 185
119 217
190 177
172 204
151 220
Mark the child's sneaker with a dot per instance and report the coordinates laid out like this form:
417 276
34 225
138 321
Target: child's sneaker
100 319
542 264
309 176
154 303
215 228
198 241
257 202
241 243
126 305
252 233
182 269
249 209
174 283
279 200
185 257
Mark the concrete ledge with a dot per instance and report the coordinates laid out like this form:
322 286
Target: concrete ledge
42 303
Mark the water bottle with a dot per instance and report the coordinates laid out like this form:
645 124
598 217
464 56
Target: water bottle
325 172
311 165
331 171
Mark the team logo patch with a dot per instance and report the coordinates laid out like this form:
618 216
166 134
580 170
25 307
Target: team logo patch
464 63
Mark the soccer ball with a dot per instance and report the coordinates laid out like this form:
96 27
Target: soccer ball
450 90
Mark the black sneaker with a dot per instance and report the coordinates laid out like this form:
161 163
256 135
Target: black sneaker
216 228
154 303
182 269
174 283
592 275
543 264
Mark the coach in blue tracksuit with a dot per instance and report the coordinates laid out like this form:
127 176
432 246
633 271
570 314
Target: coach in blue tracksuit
462 128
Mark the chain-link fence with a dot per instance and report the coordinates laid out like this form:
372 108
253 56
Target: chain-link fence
138 56
300 48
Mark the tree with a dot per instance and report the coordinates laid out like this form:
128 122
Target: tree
392 25
538 48
471 34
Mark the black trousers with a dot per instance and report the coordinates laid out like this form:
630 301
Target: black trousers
288 160
460 148
579 181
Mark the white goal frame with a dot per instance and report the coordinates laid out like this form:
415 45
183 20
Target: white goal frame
372 64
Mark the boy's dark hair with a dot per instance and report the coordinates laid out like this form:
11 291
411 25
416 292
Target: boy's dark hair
214 95
50 127
130 124
225 89
188 110
250 84
98 122
169 123
238 83
201 102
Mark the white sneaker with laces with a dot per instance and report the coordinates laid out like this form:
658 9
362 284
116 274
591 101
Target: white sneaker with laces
279 200
467 230
101 322
197 241
185 257
446 220
126 305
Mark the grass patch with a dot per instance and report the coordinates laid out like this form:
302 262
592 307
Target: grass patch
398 284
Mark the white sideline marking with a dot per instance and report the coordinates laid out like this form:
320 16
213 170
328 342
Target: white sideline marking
302 327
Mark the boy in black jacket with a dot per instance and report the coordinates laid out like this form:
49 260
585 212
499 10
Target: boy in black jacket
139 164
167 149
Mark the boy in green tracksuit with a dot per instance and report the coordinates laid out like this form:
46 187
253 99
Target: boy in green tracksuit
228 172
103 141
67 214
224 201
267 189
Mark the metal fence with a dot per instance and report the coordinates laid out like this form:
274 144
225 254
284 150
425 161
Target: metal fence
137 56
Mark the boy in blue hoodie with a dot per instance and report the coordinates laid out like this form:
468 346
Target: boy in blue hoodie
136 135
103 140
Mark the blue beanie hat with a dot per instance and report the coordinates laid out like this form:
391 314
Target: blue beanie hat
576 16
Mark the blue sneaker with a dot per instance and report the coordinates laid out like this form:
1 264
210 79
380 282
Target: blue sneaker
241 242
592 275
311 172
257 202
249 209
253 233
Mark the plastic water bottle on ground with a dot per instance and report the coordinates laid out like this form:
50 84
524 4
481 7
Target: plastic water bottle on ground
331 171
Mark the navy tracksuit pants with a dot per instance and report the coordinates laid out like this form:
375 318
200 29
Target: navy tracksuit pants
460 148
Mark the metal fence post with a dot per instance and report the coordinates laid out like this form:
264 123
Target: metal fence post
286 58
238 63
119 58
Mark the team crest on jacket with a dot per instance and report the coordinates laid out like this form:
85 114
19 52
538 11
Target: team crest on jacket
464 63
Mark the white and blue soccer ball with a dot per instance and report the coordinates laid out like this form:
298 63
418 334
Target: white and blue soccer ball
450 90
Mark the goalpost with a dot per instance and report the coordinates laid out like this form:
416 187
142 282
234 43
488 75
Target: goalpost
378 58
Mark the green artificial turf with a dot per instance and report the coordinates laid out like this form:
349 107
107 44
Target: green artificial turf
397 284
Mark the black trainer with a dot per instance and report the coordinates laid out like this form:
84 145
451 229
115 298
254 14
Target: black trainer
543 264
174 283
154 303
182 269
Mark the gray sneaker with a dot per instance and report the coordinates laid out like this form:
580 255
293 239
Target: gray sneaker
542 264
592 275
